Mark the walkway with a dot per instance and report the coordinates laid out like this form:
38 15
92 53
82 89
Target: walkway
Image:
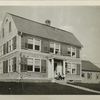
78 87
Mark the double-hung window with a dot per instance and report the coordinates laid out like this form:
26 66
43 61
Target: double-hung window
54 48
0 50
10 62
51 47
37 44
69 51
68 68
73 52
9 46
30 64
73 66
57 48
30 43
37 65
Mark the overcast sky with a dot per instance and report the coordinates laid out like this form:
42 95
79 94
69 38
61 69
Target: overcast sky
84 22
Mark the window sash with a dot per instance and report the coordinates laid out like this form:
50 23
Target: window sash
37 65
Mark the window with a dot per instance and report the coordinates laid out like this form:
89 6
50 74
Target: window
73 68
68 68
37 65
30 43
57 48
10 62
54 48
43 66
3 32
89 75
73 52
37 44
9 27
14 64
83 74
0 50
5 66
51 47
14 43
97 76
9 46
30 64
69 51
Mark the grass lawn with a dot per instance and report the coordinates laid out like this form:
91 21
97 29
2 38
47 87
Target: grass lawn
39 89
88 85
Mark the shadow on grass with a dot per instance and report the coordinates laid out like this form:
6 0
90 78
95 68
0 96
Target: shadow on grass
23 88
88 85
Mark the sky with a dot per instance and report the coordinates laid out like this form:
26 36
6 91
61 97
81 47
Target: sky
82 21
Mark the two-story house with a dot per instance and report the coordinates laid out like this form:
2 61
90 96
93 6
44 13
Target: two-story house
37 52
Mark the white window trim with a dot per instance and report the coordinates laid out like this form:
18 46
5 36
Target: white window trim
10 62
72 51
33 64
39 44
55 47
32 44
75 67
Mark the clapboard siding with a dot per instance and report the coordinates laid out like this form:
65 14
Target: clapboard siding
45 45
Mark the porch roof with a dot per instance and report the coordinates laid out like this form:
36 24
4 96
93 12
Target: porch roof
89 66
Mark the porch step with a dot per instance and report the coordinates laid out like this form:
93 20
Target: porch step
60 81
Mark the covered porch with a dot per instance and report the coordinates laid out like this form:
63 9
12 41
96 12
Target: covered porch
64 68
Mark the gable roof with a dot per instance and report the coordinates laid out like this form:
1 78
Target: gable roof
89 66
42 30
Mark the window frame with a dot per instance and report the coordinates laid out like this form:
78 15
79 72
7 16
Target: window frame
30 64
30 43
73 49
38 45
39 64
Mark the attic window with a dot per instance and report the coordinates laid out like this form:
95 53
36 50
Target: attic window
6 20
3 32
9 27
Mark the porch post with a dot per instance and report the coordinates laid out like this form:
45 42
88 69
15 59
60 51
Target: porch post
52 71
64 68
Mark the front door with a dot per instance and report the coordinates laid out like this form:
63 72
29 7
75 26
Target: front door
58 67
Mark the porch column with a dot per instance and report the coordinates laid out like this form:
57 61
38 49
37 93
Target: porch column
52 71
64 68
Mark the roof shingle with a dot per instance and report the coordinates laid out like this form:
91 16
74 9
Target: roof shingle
89 66
42 30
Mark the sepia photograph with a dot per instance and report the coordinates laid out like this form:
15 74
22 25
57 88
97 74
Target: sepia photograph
49 50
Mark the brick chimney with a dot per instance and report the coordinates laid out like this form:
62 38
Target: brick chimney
48 22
